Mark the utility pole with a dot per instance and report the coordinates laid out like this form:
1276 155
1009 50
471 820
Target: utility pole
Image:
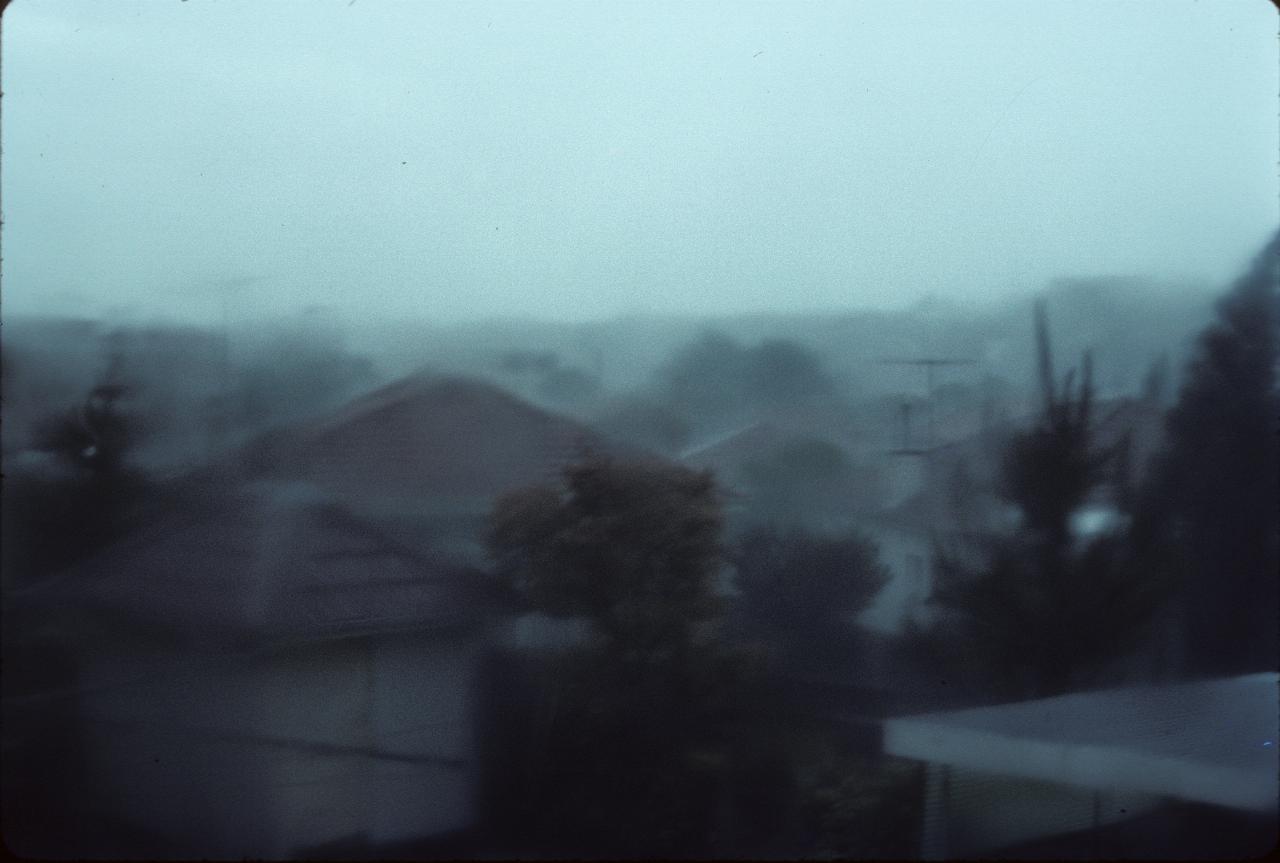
930 365
923 451
219 420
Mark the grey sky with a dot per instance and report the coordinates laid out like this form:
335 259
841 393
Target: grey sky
576 161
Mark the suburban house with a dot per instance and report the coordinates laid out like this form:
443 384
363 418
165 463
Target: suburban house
1184 770
426 444
426 457
257 674
788 473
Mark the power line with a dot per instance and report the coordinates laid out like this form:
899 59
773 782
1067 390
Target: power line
929 364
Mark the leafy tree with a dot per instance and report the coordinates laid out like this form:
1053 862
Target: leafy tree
292 377
860 808
1048 607
634 547
716 378
96 436
783 372
646 423
638 725
569 386
807 482
1215 488
801 591
706 377
85 494
550 378
520 362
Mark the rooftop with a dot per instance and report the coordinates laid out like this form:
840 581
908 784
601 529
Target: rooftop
271 561
1208 741
427 438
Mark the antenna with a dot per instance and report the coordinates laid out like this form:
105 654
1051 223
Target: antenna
929 364
227 291
907 448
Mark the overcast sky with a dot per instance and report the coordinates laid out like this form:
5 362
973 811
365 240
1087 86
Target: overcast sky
576 161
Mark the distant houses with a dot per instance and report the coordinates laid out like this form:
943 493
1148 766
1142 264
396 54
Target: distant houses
790 474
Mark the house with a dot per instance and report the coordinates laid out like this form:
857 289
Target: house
257 674
908 537
785 473
426 457
426 444
1150 771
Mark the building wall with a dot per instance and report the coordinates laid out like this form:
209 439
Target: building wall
263 755
320 695
970 812
425 705
155 757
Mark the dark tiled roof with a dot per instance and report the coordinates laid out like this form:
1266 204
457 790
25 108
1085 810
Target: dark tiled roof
269 562
428 438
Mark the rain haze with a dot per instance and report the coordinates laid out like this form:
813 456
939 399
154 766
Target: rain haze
640 430
578 161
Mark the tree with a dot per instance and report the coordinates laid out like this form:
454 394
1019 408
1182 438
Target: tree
717 379
635 547
1215 488
291 376
85 494
569 386
801 591
638 719
645 422
96 436
781 372
1049 606
807 481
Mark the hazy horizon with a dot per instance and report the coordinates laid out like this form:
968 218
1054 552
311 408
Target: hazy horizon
574 163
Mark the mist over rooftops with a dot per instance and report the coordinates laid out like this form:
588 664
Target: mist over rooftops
424 437
578 162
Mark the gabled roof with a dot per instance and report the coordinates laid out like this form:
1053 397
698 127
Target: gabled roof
267 563
730 450
447 440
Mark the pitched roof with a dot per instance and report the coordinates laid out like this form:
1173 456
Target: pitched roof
269 562
428 438
728 451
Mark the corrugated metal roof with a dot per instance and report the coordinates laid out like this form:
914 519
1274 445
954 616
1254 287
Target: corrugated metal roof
1211 741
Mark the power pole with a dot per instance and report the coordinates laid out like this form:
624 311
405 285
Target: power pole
930 365
227 292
